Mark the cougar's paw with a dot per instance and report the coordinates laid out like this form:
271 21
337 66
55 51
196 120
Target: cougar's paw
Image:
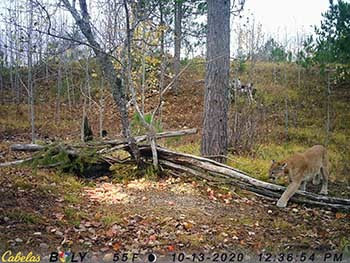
281 203
324 192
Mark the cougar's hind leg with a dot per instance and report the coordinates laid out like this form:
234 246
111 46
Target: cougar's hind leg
325 174
288 193
317 178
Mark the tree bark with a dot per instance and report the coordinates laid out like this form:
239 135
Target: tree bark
30 68
107 66
214 133
177 44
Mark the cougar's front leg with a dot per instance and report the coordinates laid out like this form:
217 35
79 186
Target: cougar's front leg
288 193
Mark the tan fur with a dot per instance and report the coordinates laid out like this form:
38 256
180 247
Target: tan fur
302 168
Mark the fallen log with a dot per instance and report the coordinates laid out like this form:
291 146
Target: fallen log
200 167
29 147
118 143
260 191
213 171
101 160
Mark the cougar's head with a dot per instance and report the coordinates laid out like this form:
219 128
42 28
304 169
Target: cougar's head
276 169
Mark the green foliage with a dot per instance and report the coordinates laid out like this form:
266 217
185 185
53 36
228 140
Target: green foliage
23 216
111 218
242 66
332 44
305 55
57 155
137 125
345 245
273 51
124 172
73 216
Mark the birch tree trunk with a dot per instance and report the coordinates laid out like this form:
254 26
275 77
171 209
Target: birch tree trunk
214 133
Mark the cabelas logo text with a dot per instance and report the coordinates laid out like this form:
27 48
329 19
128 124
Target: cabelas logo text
8 256
68 256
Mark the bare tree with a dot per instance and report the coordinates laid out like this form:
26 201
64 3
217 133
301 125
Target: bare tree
82 19
30 65
177 41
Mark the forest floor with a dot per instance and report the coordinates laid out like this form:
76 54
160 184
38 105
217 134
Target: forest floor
44 211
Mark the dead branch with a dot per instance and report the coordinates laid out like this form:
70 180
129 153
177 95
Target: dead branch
203 168
212 170
13 163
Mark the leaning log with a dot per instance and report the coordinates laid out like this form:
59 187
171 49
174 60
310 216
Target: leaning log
210 170
120 143
203 167
260 191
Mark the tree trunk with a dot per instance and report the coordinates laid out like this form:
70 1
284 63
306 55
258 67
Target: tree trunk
177 40
30 76
328 120
214 133
59 90
108 69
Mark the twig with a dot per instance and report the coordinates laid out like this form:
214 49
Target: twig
15 162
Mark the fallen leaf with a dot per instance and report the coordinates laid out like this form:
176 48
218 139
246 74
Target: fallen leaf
187 225
340 215
110 233
171 248
59 216
116 246
104 249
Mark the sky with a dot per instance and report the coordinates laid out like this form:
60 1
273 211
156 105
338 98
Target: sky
277 16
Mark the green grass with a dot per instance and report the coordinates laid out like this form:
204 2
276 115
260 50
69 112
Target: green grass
191 148
23 216
111 218
71 198
74 216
